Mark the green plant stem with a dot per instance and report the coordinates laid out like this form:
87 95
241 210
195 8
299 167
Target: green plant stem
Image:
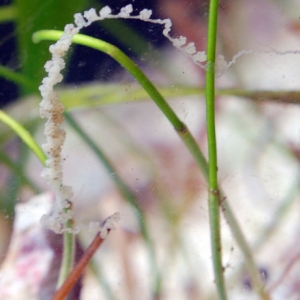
93 95
24 135
213 193
68 252
216 198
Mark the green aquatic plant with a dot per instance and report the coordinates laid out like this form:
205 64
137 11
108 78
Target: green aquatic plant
61 218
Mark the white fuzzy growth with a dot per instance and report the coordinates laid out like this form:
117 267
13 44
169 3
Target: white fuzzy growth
126 11
105 12
199 57
79 20
179 42
145 14
55 222
190 49
52 109
221 65
168 25
70 31
109 224
91 15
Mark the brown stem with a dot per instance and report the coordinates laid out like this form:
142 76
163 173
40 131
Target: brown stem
79 268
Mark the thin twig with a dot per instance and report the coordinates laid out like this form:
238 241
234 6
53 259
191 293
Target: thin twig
79 268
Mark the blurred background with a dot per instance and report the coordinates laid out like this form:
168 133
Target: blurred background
258 129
